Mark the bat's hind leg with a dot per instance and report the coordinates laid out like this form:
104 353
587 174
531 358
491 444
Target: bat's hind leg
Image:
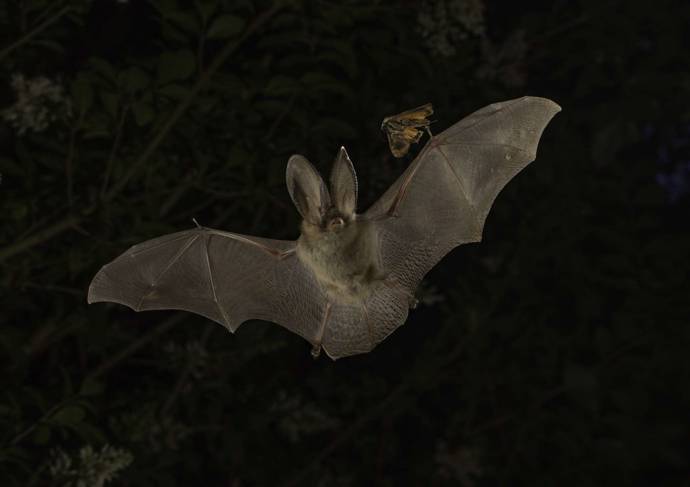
316 349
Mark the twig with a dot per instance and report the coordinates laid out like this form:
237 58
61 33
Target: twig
135 346
349 432
113 149
35 424
220 59
184 376
61 289
417 381
70 220
42 220
69 167
33 33
279 119
39 237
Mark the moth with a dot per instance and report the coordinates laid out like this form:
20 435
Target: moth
349 279
405 129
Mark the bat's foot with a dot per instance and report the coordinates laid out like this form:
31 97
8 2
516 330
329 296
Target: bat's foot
316 351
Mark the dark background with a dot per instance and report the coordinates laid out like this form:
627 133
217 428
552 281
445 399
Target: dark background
553 353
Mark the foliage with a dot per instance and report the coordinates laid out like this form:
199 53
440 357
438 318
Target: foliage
554 353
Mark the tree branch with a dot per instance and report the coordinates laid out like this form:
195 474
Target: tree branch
39 237
72 220
220 59
33 33
135 346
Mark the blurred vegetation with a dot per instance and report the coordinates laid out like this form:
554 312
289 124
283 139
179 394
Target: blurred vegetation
553 353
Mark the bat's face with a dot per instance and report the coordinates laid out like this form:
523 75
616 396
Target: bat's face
330 227
334 221
329 211
339 248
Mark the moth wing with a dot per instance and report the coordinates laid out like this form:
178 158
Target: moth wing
419 113
398 143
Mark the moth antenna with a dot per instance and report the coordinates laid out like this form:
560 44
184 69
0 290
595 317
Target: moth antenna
196 223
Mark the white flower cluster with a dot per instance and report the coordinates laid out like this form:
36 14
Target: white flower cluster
327 478
40 102
145 425
444 23
192 354
506 61
459 464
300 418
91 468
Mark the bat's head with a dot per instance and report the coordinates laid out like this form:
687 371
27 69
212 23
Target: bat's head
323 210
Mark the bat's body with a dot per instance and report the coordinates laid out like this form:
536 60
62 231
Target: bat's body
348 281
345 262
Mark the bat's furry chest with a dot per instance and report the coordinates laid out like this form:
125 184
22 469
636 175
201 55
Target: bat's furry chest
345 263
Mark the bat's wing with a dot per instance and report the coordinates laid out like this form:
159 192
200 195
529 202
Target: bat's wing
444 196
226 277
354 328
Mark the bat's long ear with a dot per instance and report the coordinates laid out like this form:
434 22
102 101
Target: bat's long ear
344 184
307 189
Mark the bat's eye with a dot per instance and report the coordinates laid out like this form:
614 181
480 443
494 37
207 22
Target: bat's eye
336 223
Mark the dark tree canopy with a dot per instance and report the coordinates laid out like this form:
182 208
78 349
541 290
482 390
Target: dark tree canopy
553 353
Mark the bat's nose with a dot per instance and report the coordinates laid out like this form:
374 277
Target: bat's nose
336 223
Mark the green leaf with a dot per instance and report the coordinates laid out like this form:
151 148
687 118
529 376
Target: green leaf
82 94
56 47
225 26
97 126
319 83
110 102
228 83
581 383
42 434
91 387
335 128
136 79
206 8
174 66
16 210
281 85
69 415
174 91
104 68
184 20
143 113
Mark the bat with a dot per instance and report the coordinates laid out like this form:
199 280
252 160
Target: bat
349 279
403 129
